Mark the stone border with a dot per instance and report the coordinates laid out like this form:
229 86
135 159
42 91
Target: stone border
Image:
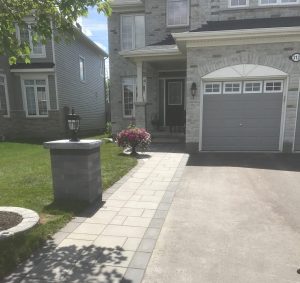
30 219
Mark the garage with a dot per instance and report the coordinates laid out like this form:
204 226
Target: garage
297 137
242 109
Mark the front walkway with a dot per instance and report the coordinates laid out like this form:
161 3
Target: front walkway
115 242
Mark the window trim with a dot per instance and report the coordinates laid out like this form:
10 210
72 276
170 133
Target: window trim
238 6
208 93
244 87
34 77
6 95
178 25
32 55
134 97
278 3
133 43
232 92
273 91
84 69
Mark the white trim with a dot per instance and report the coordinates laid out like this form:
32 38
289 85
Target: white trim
297 116
273 81
237 6
278 3
82 59
232 92
35 77
40 70
178 25
283 113
253 82
213 92
6 96
202 91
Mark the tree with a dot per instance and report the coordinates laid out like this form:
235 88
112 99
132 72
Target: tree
45 16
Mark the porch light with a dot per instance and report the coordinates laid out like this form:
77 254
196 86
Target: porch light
73 123
193 89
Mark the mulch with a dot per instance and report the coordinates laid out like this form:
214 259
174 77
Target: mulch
9 220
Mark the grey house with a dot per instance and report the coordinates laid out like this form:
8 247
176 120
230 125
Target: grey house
35 98
219 71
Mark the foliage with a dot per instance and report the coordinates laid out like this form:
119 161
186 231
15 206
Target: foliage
25 181
108 129
45 16
134 137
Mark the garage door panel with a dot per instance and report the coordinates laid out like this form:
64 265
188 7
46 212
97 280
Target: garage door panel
297 137
241 122
242 143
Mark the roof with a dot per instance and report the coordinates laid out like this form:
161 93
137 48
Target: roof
43 65
250 24
169 40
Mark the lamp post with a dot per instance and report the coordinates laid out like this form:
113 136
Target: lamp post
73 123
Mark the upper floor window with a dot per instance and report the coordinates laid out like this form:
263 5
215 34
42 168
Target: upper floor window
82 69
177 12
4 106
278 2
35 95
26 34
132 31
238 3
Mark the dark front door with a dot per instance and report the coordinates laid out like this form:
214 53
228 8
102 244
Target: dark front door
175 102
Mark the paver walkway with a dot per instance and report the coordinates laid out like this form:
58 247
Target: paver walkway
115 243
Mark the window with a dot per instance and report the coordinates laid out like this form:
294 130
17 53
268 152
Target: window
35 94
278 2
26 34
132 31
102 68
4 105
129 94
177 12
238 3
273 86
82 68
252 87
212 88
174 93
232 87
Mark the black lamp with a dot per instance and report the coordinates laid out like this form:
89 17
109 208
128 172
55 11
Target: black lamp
193 89
73 123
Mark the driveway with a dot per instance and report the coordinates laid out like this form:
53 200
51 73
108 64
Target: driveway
235 218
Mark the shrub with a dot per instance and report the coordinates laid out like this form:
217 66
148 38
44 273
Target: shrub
134 137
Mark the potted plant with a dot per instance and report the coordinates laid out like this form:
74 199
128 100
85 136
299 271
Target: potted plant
134 137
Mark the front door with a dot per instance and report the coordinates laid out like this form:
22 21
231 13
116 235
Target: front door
175 102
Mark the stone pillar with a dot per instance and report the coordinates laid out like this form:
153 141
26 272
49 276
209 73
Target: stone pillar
140 114
76 169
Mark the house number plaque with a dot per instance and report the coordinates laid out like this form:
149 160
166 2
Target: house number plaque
295 57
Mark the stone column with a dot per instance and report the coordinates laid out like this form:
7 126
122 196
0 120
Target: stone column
141 114
76 170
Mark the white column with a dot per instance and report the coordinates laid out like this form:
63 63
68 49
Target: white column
139 81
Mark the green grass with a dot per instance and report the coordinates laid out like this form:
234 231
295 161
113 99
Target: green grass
25 181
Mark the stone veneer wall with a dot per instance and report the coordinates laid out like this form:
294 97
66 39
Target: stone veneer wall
202 61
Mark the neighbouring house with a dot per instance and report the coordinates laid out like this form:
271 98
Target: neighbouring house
221 70
35 97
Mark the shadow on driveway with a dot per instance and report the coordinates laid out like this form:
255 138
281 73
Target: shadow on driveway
272 161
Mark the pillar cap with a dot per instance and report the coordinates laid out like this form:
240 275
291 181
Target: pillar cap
66 144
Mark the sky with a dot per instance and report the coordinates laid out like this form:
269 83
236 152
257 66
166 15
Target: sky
95 27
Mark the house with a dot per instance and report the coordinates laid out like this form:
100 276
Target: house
227 71
35 97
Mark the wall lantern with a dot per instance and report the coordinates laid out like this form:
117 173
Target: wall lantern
193 89
73 123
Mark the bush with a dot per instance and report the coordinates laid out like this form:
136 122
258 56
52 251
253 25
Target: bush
108 129
134 137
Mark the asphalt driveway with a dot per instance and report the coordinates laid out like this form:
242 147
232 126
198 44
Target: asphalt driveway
235 218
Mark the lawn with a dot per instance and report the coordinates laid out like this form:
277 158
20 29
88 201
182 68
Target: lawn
25 181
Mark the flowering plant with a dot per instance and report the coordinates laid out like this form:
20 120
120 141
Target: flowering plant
133 137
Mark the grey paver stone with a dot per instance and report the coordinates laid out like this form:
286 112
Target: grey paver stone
147 245
140 260
133 275
152 233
